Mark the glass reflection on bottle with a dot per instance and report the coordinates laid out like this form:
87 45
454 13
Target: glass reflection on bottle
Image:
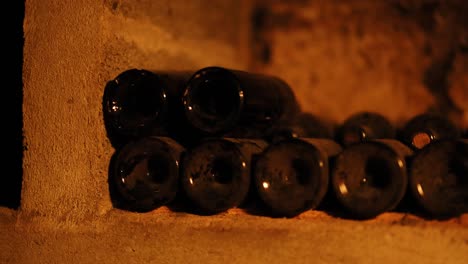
140 103
292 175
438 178
370 178
216 173
219 100
145 173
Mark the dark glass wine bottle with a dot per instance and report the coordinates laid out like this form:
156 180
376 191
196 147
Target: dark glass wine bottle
304 125
363 126
370 178
217 173
144 174
292 175
140 103
425 128
219 100
438 178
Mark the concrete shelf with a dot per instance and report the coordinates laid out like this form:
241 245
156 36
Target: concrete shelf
163 236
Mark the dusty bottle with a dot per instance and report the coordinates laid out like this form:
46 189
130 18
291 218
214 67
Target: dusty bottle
363 126
219 100
217 173
425 128
144 174
140 103
438 178
304 125
370 178
292 175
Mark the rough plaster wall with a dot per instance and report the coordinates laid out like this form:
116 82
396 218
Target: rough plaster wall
65 150
71 49
396 57
165 35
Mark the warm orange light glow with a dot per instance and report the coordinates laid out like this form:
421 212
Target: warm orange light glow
421 139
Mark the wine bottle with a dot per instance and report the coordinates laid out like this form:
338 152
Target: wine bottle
217 173
370 177
438 178
292 175
363 126
144 173
304 125
219 100
427 127
139 103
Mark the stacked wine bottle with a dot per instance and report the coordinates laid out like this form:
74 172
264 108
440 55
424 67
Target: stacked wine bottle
217 138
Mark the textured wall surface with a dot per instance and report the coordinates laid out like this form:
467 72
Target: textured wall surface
394 57
71 50
65 149
398 58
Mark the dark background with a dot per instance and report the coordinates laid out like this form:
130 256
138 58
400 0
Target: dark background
11 175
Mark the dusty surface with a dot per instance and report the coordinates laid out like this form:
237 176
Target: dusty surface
234 237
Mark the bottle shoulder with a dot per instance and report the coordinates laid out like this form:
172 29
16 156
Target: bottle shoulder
364 126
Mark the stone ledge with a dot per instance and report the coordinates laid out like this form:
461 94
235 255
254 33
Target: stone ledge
163 236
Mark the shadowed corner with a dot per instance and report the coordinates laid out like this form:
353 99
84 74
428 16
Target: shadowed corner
12 123
436 81
116 200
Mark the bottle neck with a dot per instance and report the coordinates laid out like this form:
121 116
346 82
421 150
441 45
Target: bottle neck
421 139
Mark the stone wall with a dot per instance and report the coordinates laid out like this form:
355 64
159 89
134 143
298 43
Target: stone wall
71 50
398 58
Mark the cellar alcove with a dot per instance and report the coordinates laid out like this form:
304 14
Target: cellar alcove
395 57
